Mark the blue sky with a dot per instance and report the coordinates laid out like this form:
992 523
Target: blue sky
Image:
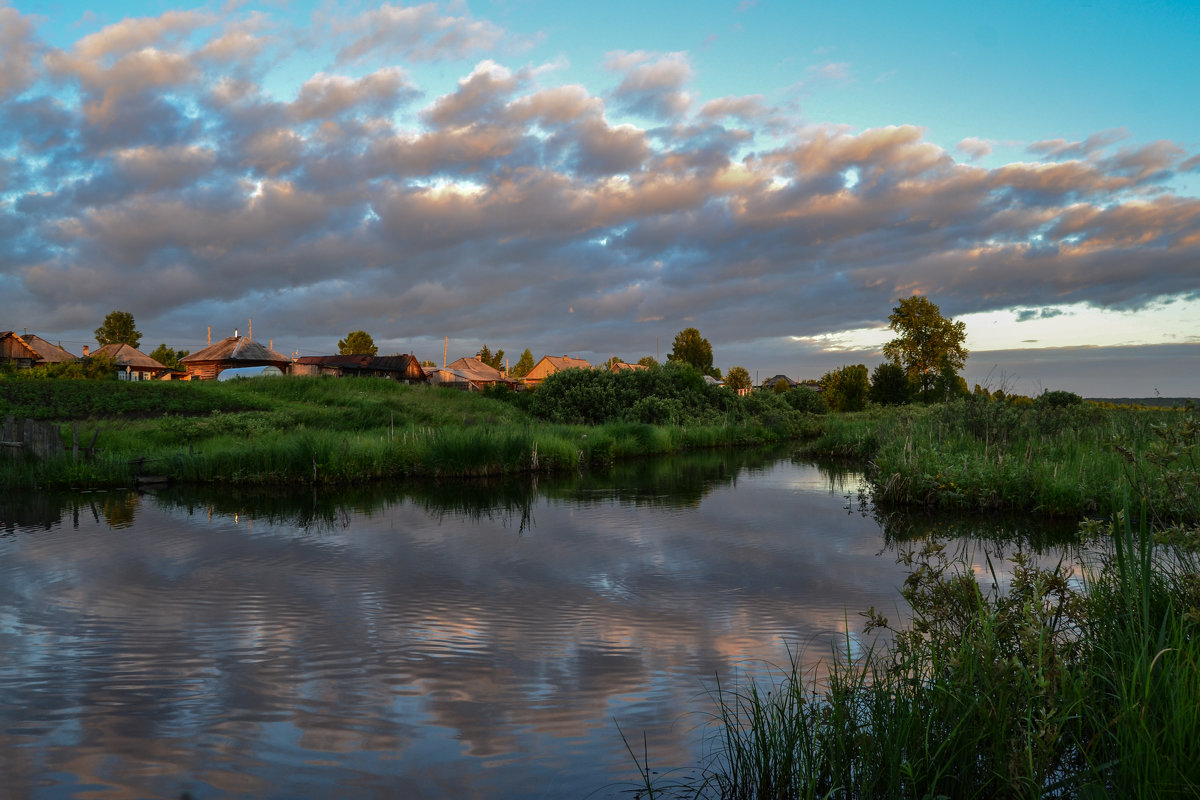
591 181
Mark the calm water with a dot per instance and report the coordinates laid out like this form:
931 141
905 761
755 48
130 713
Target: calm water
464 641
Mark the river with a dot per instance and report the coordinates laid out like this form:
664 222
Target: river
471 640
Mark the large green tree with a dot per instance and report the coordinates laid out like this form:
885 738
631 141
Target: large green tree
168 356
890 385
692 348
738 378
118 328
846 388
357 343
926 342
523 365
648 361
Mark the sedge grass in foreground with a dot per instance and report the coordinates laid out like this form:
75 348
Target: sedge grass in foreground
1048 689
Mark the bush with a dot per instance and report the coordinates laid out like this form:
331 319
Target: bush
807 400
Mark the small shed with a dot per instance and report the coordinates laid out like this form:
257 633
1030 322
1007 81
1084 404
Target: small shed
236 351
552 364
133 364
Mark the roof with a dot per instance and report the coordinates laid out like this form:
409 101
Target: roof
476 370
127 356
567 362
17 347
48 353
362 361
622 365
235 349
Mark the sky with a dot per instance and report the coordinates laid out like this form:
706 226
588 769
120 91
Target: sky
591 180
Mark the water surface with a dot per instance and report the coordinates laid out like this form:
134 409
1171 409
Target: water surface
466 640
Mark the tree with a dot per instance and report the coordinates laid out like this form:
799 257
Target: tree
926 340
523 365
357 343
781 386
691 348
846 388
738 378
947 385
168 357
648 361
612 360
493 360
118 328
890 385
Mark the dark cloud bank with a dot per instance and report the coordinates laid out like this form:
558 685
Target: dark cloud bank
150 171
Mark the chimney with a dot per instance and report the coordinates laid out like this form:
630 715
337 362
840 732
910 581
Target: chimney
85 351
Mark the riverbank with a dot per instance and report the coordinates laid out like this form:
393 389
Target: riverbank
290 431
979 455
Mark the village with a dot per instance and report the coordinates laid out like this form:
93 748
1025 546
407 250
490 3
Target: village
241 356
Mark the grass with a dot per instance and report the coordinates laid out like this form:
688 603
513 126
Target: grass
1047 689
325 431
987 456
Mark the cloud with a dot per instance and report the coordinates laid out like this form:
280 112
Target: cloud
974 148
18 51
169 180
418 33
653 84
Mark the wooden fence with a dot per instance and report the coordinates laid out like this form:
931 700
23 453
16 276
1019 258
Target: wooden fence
37 437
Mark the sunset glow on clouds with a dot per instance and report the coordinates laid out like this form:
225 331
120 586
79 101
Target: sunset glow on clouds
516 176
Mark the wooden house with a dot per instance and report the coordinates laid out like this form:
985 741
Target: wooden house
15 350
479 373
133 364
49 353
552 364
236 351
403 368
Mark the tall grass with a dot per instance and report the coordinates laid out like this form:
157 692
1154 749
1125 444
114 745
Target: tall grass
1047 689
328 431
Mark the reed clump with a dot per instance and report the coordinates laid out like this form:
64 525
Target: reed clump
1052 687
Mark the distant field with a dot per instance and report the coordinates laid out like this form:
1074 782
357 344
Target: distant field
1149 402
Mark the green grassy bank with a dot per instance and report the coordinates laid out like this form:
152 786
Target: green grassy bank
330 431
984 456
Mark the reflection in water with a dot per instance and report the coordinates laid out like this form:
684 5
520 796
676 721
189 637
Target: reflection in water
465 640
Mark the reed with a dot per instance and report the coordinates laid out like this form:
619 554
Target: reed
1046 689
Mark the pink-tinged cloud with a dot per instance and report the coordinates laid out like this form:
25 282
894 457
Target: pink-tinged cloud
1062 149
653 83
974 148
18 50
419 33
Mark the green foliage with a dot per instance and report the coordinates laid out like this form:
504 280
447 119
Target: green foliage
1051 687
648 361
846 388
1058 399
691 348
738 378
524 364
926 341
117 328
357 343
890 385
93 368
781 386
169 357
494 360
806 399
947 385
